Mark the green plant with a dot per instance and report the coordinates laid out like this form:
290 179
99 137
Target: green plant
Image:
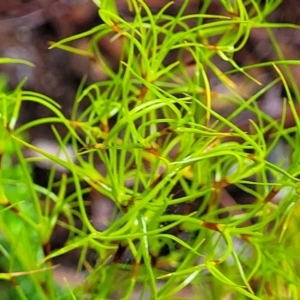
155 131
21 221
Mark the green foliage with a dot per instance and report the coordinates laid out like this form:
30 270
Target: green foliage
153 127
